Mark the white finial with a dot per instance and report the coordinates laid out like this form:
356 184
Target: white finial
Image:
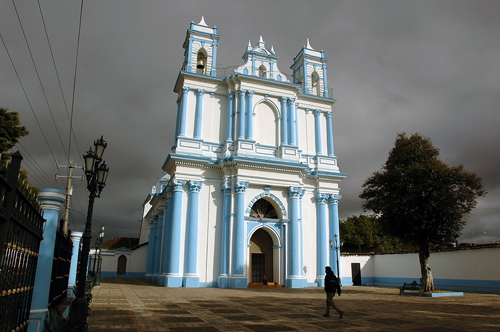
261 40
272 49
202 22
249 45
309 45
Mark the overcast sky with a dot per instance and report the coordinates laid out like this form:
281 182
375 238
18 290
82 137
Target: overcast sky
431 67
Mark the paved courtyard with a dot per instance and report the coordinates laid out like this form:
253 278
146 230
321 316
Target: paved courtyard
140 305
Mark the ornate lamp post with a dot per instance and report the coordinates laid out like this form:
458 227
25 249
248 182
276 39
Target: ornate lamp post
337 258
97 280
96 172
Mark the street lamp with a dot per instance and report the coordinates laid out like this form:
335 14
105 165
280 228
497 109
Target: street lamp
97 280
337 258
96 172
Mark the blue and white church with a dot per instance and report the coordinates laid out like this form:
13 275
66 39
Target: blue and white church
252 183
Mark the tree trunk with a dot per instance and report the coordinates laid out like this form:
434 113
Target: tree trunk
425 269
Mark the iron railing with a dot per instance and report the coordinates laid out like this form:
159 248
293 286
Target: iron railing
21 228
60 269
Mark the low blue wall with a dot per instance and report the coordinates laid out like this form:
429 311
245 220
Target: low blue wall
487 286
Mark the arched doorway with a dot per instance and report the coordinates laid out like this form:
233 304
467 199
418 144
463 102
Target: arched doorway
261 244
261 256
122 265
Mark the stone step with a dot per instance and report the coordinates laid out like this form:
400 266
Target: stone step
260 285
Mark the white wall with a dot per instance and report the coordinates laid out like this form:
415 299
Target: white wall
465 270
136 262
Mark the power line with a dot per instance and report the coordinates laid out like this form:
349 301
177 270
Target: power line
39 79
27 98
69 187
37 172
70 118
74 76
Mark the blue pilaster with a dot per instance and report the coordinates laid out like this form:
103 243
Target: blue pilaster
191 278
333 202
214 54
166 229
230 124
198 118
306 77
249 113
160 231
185 92
239 244
284 121
223 279
321 238
295 279
329 133
296 122
76 237
172 278
178 122
292 135
241 114
51 200
151 248
317 130
190 52
301 222
325 94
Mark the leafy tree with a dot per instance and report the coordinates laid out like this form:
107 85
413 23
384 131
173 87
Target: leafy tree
364 233
10 130
420 199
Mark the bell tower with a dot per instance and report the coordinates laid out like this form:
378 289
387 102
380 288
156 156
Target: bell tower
309 71
200 55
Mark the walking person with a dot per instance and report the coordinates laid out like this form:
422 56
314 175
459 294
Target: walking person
331 287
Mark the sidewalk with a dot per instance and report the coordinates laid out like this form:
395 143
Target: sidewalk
140 305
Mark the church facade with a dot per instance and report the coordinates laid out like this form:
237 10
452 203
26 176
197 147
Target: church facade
252 183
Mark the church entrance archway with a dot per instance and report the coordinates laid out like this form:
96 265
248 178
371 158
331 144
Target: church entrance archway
261 260
261 256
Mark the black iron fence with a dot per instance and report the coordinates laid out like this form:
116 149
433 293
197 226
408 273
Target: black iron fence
21 228
60 269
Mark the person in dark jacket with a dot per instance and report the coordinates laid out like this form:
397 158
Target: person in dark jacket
331 287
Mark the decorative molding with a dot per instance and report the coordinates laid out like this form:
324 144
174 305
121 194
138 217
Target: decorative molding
241 186
194 186
321 198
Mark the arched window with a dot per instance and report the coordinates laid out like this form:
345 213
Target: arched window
262 71
315 84
263 209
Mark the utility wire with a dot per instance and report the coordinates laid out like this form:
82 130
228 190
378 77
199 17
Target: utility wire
39 79
26 95
74 76
70 119
73 97
32 161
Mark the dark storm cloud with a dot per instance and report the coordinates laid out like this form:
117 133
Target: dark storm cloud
414 66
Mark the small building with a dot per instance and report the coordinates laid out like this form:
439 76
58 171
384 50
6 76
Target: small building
120 257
